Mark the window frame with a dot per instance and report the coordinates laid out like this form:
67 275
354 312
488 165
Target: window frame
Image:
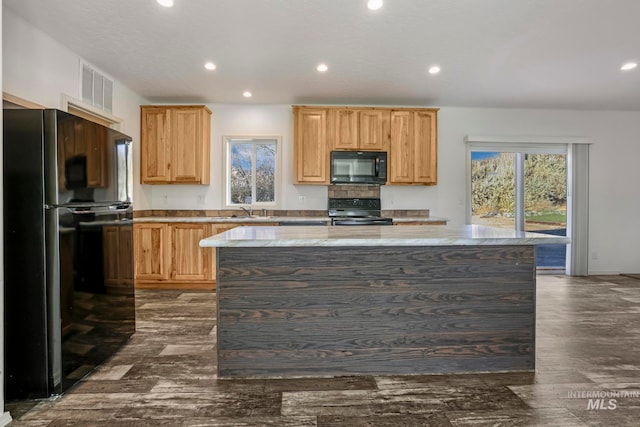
255 140
577 152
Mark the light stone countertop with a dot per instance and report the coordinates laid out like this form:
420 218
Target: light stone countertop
376 235
266 219
244 219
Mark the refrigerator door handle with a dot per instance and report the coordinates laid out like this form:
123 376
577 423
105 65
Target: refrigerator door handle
80 211
91 209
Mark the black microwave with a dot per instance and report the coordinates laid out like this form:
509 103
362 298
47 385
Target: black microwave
358 167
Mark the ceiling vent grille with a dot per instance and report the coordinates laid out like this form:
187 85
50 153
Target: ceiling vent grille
97 89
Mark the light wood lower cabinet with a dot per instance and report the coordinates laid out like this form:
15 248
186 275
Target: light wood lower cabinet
190 262
151 245
168 255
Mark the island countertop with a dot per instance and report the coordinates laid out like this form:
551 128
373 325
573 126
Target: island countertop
409 235
274 219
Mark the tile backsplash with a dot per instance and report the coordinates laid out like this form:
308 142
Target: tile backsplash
355 190
334 191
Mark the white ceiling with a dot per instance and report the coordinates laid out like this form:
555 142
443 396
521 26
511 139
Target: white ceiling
493 53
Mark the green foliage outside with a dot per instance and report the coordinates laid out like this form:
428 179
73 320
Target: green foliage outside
493 183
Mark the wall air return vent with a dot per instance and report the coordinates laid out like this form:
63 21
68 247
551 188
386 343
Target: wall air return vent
97 89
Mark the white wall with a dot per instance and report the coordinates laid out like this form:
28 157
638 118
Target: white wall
39 69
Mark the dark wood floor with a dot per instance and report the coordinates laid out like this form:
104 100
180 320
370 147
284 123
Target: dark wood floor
588 343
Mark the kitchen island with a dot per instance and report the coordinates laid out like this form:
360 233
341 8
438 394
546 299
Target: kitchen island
327 301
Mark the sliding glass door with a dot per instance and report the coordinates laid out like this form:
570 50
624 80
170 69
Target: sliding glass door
522 189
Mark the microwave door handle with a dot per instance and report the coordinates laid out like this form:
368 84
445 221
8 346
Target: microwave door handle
377 167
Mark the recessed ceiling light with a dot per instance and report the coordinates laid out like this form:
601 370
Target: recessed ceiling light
247 94
628 66
322 68
210 66
374 4
434 70
165 3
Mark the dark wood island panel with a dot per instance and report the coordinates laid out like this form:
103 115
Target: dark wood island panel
327 311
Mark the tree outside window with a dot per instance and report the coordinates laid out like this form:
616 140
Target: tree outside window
252 171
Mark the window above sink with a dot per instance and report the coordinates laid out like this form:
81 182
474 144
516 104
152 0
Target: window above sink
252 172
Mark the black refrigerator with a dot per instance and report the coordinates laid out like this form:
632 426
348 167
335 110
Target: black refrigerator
68 249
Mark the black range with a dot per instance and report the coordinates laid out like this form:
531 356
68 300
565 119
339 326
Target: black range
356 211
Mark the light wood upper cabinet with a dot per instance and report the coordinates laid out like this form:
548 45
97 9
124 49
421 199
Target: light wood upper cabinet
401 148
353 129
155 128
425 141
413 152
311 150
175 144
373 129
408 135
345 129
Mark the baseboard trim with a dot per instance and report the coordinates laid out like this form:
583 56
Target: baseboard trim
173 285
5 419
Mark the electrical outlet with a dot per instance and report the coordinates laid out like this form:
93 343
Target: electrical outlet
301 199
165 200
200 199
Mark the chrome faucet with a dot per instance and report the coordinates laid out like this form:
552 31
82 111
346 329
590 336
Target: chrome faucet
248 212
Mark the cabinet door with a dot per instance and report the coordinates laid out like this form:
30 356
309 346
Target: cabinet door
310 146
401 148
345 129
190 262
425 147
155 145
373 129
151 251
187 137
